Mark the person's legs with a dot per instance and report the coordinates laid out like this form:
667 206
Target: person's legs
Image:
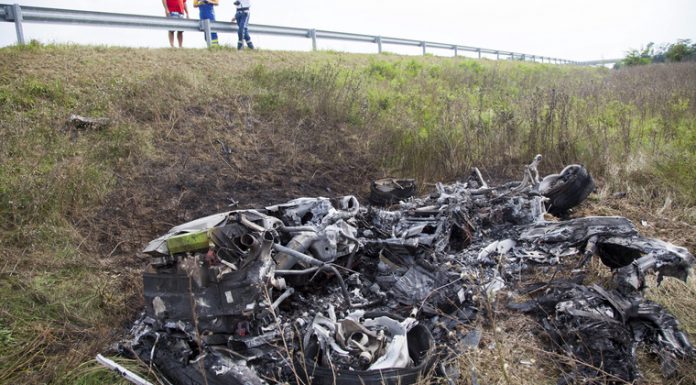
202 14
214 36
246 32
175 15
207 11
180 37
241 27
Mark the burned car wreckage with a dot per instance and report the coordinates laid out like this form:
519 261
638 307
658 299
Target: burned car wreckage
325 291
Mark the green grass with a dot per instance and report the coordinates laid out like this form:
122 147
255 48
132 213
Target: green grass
68 276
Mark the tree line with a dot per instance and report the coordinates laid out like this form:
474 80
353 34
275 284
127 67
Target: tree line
682 50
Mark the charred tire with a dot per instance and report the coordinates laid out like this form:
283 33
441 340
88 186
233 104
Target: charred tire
420 349
389 190
567 189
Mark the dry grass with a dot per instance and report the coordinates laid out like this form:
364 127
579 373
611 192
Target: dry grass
511 352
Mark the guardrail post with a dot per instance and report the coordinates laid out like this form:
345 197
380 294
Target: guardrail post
478 50
456 51
423 45
497 55
17 11
379 44
208 33
512 56
313 35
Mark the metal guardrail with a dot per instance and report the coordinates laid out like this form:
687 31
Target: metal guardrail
26 14
599 62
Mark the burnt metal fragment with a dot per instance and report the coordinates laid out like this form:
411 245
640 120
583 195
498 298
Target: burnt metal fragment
601 329
618 244
339 293
175 350
408 362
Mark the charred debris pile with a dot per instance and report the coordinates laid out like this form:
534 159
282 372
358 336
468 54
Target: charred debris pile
326 291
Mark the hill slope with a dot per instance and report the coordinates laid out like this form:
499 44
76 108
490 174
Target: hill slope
192 131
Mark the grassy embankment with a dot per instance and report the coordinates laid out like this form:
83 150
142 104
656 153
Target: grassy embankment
76 207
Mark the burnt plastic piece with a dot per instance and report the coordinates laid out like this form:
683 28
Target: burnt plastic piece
172 350
389 190
603 328
656 256
577 231
618 244
176 293
420 349
567 189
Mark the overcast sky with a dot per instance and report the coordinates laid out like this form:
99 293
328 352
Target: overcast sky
575 30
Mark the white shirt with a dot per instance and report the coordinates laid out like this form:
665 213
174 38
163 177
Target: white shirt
244 4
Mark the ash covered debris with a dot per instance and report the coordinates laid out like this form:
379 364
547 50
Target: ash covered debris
326 291
603 328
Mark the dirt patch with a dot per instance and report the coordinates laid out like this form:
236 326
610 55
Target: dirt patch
187 181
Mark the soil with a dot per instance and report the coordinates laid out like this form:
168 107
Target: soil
194 181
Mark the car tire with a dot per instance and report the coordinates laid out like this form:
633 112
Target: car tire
567 189
387 191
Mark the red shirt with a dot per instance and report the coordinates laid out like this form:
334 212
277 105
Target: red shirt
175 5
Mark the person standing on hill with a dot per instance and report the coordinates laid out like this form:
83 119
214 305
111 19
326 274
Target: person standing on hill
206 9
242 17
175 9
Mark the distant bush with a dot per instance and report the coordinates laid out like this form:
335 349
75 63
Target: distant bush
682 50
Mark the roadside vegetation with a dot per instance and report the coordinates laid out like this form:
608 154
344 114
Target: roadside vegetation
681 51
193 131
